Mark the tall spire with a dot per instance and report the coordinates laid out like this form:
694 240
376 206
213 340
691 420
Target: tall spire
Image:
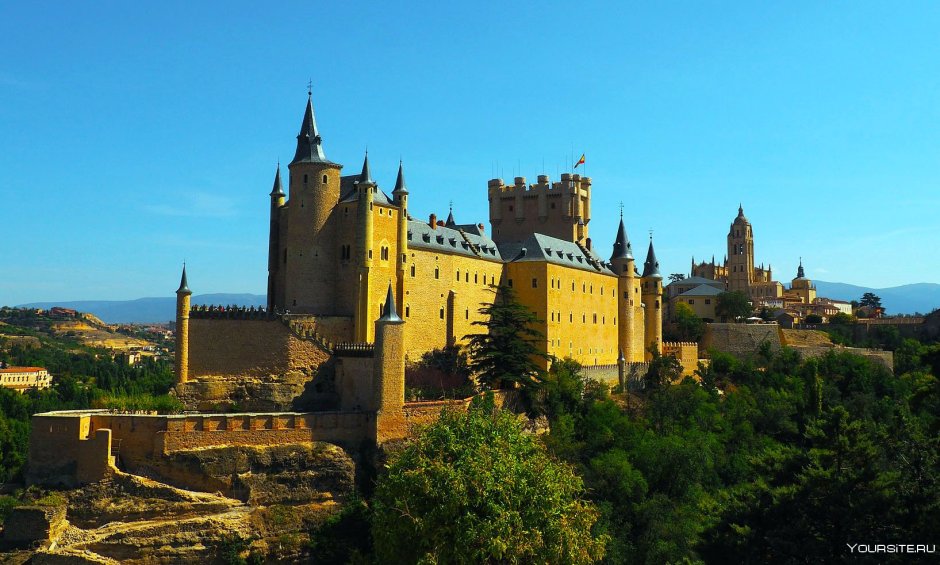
800 273
622 247
450 216
390 314
278 190
184 286
309 144
400 186
365 177
651 266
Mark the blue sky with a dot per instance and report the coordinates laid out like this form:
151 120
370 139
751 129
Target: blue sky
135 136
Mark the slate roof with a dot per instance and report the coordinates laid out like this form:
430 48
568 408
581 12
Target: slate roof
452 240
540 247
702 290
309 143
695 280
347 190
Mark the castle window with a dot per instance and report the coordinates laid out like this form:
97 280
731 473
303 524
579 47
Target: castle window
535 283
595 318
346 211
475 278
442 312
657 304
467 313
437 272
583 318
572 286
407 311
324 179
385 253
412 270
305 179
466 276
458 275
570 317
509 282
583 287
370 254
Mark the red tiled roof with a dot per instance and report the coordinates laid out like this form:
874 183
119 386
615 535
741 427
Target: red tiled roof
21 369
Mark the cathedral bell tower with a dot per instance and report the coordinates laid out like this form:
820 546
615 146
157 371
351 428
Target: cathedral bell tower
740 263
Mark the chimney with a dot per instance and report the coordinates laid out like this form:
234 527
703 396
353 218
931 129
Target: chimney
587 243
433 221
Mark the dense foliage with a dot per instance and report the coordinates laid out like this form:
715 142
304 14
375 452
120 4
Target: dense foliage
82 378
782 460
733 305
474 488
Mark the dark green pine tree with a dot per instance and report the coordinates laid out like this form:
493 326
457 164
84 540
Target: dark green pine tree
507 353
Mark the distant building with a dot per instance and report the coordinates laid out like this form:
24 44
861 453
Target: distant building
22 378
699 293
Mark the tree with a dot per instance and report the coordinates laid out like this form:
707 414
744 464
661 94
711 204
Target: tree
733 305
871 300
688 326
676 277
813 319
474 488
841 319
508 352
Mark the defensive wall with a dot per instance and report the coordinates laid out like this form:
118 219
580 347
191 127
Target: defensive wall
686 352
73 447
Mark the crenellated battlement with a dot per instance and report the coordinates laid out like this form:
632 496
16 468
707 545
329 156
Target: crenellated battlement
569 182
560 209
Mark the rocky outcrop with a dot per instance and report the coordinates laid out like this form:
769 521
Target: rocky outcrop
292 473
28 526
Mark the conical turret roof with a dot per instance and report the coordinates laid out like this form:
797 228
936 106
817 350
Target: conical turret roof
651 265
184 285
365 177
622 247
278 189
400 186
309 143
391 314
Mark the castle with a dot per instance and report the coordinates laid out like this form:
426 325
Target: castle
337 242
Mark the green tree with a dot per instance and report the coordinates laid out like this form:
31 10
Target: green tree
474 488
508 351
841 319
814 319
733 305
676 277
688 326
871 300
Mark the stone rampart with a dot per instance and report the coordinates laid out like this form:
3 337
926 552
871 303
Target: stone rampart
686 352
741 340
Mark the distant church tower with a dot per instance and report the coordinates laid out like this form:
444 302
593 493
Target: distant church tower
740 263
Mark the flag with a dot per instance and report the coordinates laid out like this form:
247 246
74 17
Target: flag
580 161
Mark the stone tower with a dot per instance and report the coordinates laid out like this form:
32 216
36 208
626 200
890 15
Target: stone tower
400 199
365 225
624 266
561 209
740 263
183 295
652 291
309 254
388 379
274 239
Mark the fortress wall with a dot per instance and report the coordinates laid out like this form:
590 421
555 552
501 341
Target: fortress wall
255 348
742 340
686 353
335 329
883 358
425 297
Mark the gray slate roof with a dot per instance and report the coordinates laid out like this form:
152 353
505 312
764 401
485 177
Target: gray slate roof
540 247
309 143
347 191
695 280
452 240
702 290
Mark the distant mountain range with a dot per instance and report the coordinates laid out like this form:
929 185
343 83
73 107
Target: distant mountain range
148 310
905 299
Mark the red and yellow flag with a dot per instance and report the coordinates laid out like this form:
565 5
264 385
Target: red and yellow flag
580 161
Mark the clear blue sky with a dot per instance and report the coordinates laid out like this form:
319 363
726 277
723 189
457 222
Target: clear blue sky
135 135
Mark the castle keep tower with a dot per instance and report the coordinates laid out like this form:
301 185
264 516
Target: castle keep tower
652 282
561 209
183 295
309 253
740 266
